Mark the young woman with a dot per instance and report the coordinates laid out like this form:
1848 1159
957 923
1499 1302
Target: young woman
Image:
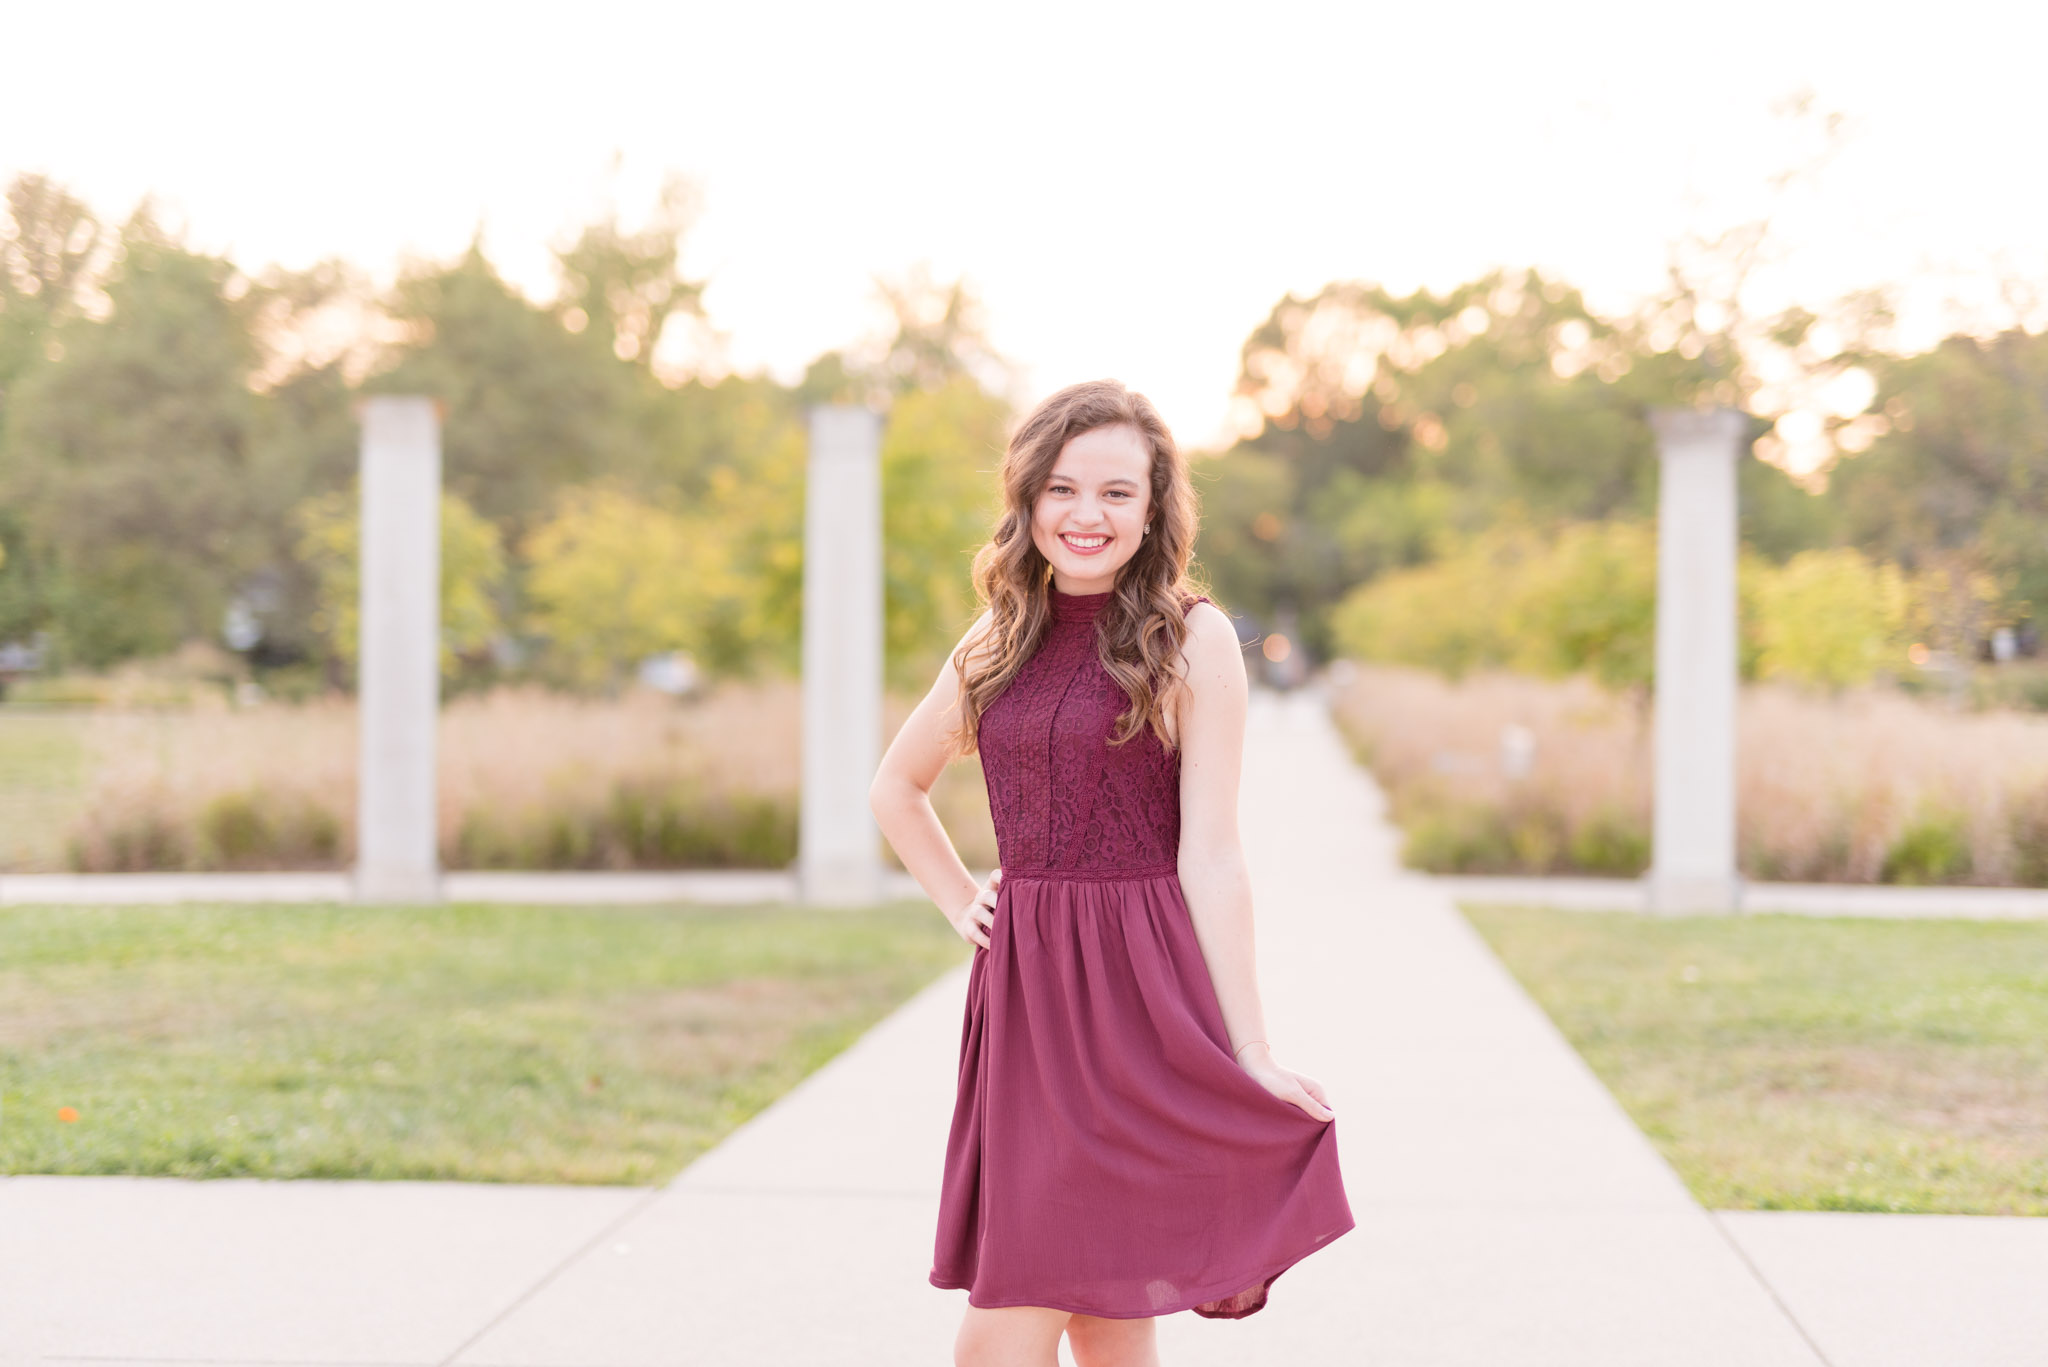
1124 1144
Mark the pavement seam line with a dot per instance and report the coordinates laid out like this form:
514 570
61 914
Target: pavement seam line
228 1362
588 1245
1728 1236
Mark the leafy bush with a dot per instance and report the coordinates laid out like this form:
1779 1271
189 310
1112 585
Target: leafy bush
1529 835
613 579
1582 600
473 571
1830 618
247 829
1824 852
642 826
1934 847
1459 838
145 841
2028 830
1611 842
253 830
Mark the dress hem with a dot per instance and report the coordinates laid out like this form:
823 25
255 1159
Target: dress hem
1187 1302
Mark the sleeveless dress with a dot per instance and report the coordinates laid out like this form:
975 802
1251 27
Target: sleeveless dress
1107 1156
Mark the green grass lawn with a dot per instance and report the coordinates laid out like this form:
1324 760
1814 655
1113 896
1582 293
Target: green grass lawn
484 1043
1794 1063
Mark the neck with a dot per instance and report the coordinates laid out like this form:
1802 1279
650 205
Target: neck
1080 588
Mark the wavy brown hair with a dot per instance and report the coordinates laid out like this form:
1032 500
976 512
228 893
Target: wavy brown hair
1142 628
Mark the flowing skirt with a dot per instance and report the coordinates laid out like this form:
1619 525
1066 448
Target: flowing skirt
1107 1156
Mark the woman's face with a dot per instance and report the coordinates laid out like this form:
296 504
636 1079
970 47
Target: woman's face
1091 515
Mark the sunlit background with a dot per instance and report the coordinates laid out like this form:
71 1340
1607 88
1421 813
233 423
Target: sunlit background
1128 188
1406 281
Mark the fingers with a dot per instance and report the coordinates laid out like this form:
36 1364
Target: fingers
981 913
973 926
976 924
1313 1088
1300 1096
980 918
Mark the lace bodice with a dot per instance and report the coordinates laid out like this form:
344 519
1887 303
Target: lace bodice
1066 803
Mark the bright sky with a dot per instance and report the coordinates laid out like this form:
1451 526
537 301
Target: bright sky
1130 188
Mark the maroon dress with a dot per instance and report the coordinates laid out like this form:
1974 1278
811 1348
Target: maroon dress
1107 1155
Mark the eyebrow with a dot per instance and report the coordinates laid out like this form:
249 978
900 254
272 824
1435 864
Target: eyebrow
1132 483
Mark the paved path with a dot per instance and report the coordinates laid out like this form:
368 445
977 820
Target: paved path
1509 1213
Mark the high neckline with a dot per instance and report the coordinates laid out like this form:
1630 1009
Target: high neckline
1078 607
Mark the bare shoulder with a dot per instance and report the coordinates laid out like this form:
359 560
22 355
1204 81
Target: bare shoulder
1210 657
1211 635
980 625
977 634
975 642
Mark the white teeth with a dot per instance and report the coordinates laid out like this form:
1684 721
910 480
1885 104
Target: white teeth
1087 542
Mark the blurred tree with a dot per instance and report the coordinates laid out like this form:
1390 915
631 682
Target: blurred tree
1579 600
1582 599
1409 423
1446 616
939 337
943 441
472 569
614 580
623 286
24 599
531 408
1955 479
304 440
127 452
940 453
1247 506
1588 604
700 428
756 494
833 378
1777 516
50 249
1830 618
1954 605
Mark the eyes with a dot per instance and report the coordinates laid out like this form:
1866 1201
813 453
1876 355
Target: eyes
1061 487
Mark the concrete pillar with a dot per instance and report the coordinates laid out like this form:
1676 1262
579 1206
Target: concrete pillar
839 847
1693 840
399 652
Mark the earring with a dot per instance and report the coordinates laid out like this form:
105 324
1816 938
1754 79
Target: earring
1148 529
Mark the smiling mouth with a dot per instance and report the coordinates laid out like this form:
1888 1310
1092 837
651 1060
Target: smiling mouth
1084 543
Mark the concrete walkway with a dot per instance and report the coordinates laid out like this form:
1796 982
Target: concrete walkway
1509 1213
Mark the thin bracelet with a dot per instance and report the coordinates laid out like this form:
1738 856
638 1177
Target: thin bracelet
1246 1045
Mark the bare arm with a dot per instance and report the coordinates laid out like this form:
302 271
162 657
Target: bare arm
1213 877
901 799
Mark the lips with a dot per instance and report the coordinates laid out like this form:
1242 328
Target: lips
1087 545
